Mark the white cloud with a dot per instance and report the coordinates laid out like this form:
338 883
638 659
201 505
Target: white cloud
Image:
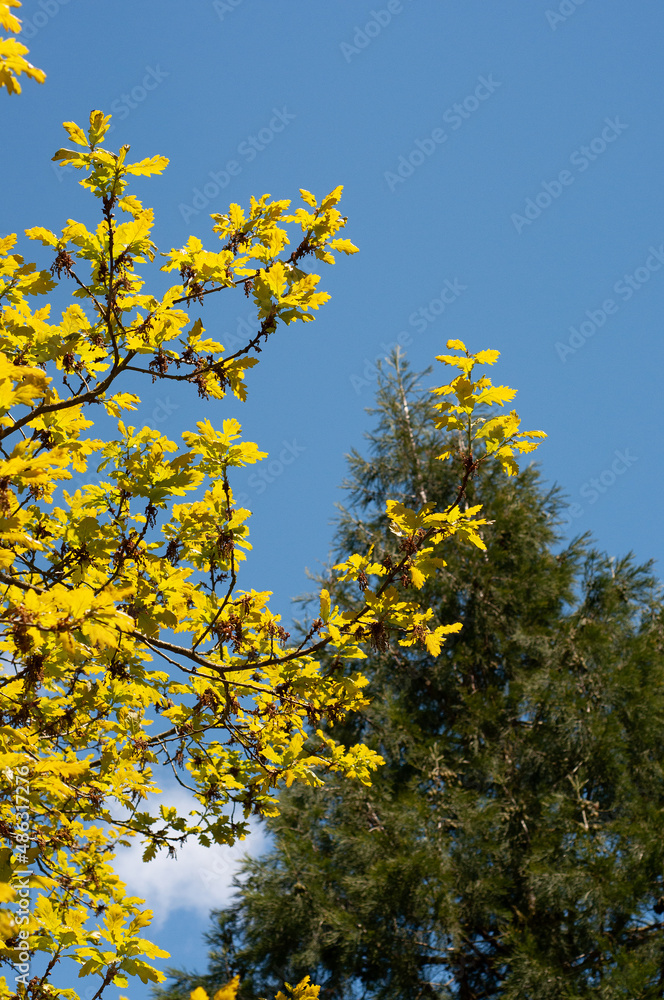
199 878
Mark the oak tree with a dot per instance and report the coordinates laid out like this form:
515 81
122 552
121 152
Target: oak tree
127 645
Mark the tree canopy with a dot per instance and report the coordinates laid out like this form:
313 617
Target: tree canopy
510 847
140 564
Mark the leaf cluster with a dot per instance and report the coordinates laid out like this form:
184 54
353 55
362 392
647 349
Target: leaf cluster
12 52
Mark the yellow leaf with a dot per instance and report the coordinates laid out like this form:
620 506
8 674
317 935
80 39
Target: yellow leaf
99 126
345 246
305 990
151 165
496 394
130 203
48 238
332 198
7 892
229 991
6 243
434 640
487 357
7 19
75 133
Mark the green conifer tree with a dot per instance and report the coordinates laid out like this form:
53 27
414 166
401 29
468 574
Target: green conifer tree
511 847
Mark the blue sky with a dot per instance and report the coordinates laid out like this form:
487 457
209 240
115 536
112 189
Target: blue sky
502 168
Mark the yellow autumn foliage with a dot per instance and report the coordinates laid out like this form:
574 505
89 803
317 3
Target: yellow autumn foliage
12 52
126 645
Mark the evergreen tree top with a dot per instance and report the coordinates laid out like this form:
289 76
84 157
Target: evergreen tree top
511 845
